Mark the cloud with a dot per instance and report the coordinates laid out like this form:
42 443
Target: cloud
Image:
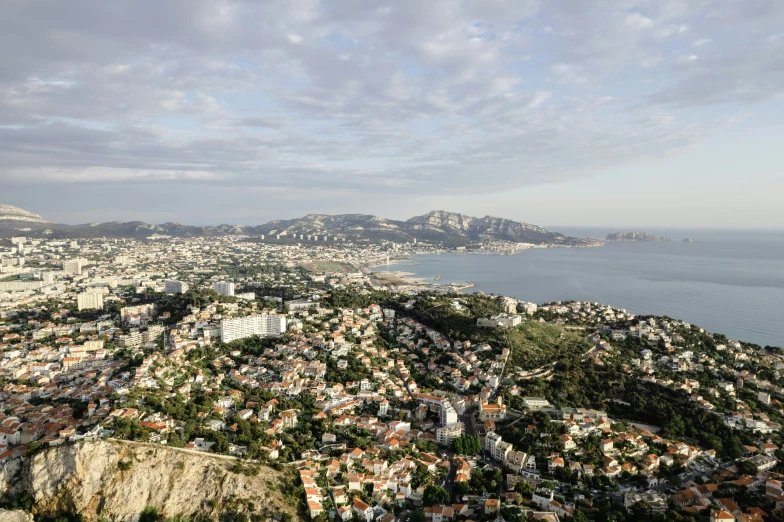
366 97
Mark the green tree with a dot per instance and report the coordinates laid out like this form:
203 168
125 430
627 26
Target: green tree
435 495
524 488
150 514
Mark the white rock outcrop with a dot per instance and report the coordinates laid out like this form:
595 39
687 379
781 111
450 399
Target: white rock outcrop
117 480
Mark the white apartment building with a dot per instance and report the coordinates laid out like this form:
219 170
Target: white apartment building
496 446
446 434
536 403
73 266
256 324
529 308
448 415
500 321
175 287
224 288
87 300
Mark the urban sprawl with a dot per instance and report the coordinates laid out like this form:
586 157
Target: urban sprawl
385 398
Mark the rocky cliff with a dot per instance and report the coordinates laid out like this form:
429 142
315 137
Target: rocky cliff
117 480
12 213
15 516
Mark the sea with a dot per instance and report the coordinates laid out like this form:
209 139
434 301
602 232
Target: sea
729 282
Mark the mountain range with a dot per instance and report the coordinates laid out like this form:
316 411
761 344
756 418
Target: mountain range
437 226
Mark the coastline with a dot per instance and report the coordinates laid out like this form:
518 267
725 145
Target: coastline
634 277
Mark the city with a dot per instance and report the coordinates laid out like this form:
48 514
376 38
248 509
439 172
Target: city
380 402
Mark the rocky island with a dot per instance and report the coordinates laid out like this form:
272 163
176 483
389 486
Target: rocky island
635 236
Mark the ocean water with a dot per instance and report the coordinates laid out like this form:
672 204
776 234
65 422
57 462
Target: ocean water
729 282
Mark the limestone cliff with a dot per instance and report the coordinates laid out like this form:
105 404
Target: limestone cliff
117 480
15 516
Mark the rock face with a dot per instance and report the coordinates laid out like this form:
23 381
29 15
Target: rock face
118 480
15 516
12 213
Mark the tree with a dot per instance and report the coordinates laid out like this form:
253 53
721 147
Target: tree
747 467
640 510
435 495
150 514
524 488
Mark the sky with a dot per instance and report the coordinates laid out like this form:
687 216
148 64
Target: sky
665 113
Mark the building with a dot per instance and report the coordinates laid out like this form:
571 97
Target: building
655 500
89 300
256 324
73 266
224 288
536 403
492 411
497 447
528 308
362 509
503 320
719 515
448 415
138 314
175 287
446 434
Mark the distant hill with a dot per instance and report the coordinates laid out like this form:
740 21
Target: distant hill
437 226
16 214
635 236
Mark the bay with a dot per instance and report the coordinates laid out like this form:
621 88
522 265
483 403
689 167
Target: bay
729 282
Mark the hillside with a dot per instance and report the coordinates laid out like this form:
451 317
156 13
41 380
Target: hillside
441 227
9 213
117 480
532 344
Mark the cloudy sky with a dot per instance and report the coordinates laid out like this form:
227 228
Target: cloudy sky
561 112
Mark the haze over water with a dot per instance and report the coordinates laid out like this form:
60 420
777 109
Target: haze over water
729 282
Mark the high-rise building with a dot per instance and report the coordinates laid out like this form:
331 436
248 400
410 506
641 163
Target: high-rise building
224 288
89 300
256 324
448 415
175 287
73 266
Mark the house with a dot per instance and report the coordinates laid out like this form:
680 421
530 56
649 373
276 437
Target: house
492 505
289 418
315 508
344 513
567 443
554 463
339 496
362 509
719 515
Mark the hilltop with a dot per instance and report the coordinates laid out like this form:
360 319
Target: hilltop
9 213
